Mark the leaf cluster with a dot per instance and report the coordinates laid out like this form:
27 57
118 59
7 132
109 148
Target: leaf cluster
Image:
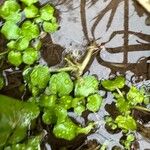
125 102
60 95
22 27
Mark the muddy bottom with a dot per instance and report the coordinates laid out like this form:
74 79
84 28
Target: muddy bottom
122 28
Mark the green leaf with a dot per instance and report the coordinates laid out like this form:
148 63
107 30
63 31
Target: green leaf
94 102
30 55
50 27
78 104
79 110
31 11
37 44
15 58
14 33
46 12
65 130
31 144
29 2
40 76
2 82
14 17
8 8
68 130
111 85
11 45
30 30
22 44
66 101
134 96
60 84
48 100
86 86
49 116
61 113
15 118
123 105
126 122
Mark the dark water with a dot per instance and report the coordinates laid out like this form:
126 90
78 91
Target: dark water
122 28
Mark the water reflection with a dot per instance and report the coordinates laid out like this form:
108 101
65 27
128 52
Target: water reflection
118 24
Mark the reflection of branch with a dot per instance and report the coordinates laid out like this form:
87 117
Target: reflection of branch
83 19
143 36
131 48
92 2
113 4
111 17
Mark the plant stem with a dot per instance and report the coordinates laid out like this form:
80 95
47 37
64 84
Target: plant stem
65 69
3 53
120 93
142 108
76 67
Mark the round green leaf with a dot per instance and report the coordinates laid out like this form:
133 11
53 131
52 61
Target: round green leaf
30 55
11 44
86 85
94 102
31 11
47 12
8 8
50 27
22 44
29 2
30 30
40 76
14 17
15 58
10 30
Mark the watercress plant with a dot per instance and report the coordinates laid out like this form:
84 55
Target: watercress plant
22 26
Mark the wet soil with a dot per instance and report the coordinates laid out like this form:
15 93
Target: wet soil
122 29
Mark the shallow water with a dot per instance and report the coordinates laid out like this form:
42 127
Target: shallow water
120 27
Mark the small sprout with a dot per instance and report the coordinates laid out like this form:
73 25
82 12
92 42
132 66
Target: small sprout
30 30
94 102
60 84
15 58
126 122
31 11
8 8
46 12
29 2
30 55
40 76
111 85
134 96
50 27
14 33
86 86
